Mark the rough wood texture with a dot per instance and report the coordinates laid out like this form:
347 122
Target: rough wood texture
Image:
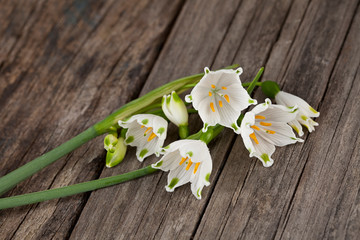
65 65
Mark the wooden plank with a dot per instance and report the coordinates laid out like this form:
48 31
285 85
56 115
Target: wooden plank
328 188
143 208
250 201
82 60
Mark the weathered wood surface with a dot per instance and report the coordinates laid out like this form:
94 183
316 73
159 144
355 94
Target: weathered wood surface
65 65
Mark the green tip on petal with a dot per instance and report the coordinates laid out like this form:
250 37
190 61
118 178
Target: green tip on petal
303 117
130 139
313 110
190 153
270 88
143 152
265 157
145 121
176 97
173 182
198 192
161 130
234 126
207 177
159 164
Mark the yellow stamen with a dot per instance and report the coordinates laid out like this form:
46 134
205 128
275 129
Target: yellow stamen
259 117
212 85
270 131
183 160
227 98
151 137
254 138
147 130
255 127
265 124
224 88
210 94
189 165
220 103
142 126
196 167
212 107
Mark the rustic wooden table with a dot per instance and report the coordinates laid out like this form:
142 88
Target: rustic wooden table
65 65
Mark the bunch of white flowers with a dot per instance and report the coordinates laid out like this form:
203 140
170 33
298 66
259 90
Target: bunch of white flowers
219 98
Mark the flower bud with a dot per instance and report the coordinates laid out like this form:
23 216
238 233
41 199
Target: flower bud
175 109
110 142
117 155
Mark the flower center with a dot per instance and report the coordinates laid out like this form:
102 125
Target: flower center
149 130
257 128
189 163
216 91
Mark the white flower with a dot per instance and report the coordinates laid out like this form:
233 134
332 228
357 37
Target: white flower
304 115
265 127
147 132
187 161
219 97
175 109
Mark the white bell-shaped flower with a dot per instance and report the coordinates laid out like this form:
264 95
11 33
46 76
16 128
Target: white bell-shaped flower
146 132
265 127
175 109
304 115
219 98
187 161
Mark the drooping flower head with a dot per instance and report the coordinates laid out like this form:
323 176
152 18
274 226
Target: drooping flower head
219 98
304 115
187 161
147 132
265 127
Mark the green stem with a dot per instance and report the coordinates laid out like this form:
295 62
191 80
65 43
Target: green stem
35 197
11 179
254 82
248 84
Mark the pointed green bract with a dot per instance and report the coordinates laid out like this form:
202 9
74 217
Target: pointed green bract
173 182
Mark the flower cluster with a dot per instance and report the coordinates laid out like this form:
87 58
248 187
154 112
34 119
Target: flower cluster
219 98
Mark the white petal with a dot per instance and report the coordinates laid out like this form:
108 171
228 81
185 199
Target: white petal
168 162
196 150
288 99
263 151
297 127
206 114
276 113
246 130
228 115
283 135
160 126
199 94
178 177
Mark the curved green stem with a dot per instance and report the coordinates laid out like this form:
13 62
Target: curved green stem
11 179
35 197
254 82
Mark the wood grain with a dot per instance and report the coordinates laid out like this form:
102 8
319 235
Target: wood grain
65 65
92 61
